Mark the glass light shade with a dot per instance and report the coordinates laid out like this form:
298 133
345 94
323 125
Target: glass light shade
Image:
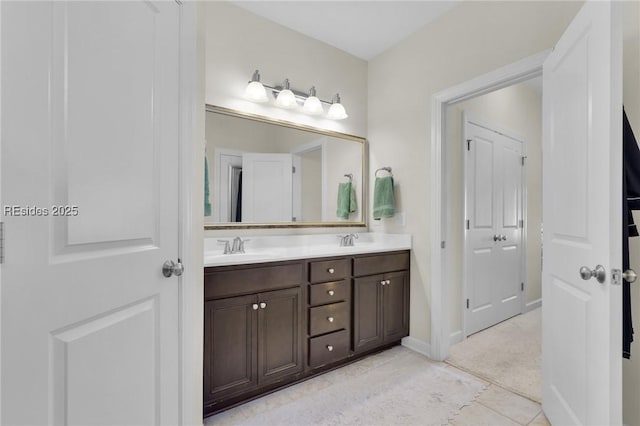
286 99
312 106
256 92
337 112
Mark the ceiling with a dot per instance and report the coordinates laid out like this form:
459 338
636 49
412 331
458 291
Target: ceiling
362 28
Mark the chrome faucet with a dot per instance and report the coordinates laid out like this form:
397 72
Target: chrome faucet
347 240
232 248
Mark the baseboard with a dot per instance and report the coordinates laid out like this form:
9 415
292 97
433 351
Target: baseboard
533 305
417 345
456 337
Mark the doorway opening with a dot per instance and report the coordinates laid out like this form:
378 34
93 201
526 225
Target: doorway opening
447 234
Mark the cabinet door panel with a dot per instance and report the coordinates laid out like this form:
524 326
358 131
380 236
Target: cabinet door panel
367 313
396 306
230 364
280 334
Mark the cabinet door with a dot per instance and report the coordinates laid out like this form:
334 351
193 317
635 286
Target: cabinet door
395 306
280 334
367 312
230 345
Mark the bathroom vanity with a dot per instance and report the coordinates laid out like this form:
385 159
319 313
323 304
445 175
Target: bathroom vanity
293 307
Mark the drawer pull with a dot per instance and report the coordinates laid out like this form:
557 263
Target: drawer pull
331 270
331 292
255 306
330 319
329 348
263 305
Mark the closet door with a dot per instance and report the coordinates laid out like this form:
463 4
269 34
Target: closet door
493 227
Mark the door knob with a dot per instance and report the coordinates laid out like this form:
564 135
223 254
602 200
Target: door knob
630 276
598 273
170 268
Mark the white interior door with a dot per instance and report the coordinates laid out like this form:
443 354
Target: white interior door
267 188
90 133
493 249
225 161
582 176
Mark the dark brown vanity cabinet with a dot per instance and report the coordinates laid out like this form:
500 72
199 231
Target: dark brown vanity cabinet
269 325
381 300
254 340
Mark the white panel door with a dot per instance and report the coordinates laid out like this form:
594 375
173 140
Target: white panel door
494 206
582 175
90 133
267 188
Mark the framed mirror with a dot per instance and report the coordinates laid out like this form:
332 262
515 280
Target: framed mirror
267 173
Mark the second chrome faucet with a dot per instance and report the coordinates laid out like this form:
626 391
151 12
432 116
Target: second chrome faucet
347 240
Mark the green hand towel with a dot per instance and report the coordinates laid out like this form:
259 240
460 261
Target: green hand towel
383 198
346 200
207 203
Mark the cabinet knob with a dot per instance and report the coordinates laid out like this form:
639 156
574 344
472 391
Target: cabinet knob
388 282
263 305
331 270
330 319
331 292
329 348
255 306
383 282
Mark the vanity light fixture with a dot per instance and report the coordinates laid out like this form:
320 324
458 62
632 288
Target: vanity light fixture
286 98
289 99
255 91
337 111
312 105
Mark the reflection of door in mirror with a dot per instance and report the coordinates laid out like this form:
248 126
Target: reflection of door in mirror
309 187
227 166
267 188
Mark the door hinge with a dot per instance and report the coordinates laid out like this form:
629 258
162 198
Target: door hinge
468 144
441 244
293 169
1 242
521 286
521 223
467 303
468 224
523 158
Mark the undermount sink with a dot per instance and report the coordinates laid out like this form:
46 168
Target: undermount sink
244 257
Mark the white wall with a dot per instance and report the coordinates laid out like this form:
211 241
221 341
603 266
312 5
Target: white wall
517 108
472 39
631 84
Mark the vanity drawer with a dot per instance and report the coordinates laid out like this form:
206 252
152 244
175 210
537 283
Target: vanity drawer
335 291
328 348
324 319
329 270
380 263
219 283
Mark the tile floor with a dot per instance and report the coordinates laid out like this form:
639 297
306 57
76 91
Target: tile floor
488 404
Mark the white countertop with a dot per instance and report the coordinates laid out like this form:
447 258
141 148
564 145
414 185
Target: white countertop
291 247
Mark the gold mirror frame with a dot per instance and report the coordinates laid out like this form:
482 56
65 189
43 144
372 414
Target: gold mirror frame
289 124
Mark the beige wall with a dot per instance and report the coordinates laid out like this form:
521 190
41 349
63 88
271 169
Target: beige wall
516 108
631 84
472 39
238 42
